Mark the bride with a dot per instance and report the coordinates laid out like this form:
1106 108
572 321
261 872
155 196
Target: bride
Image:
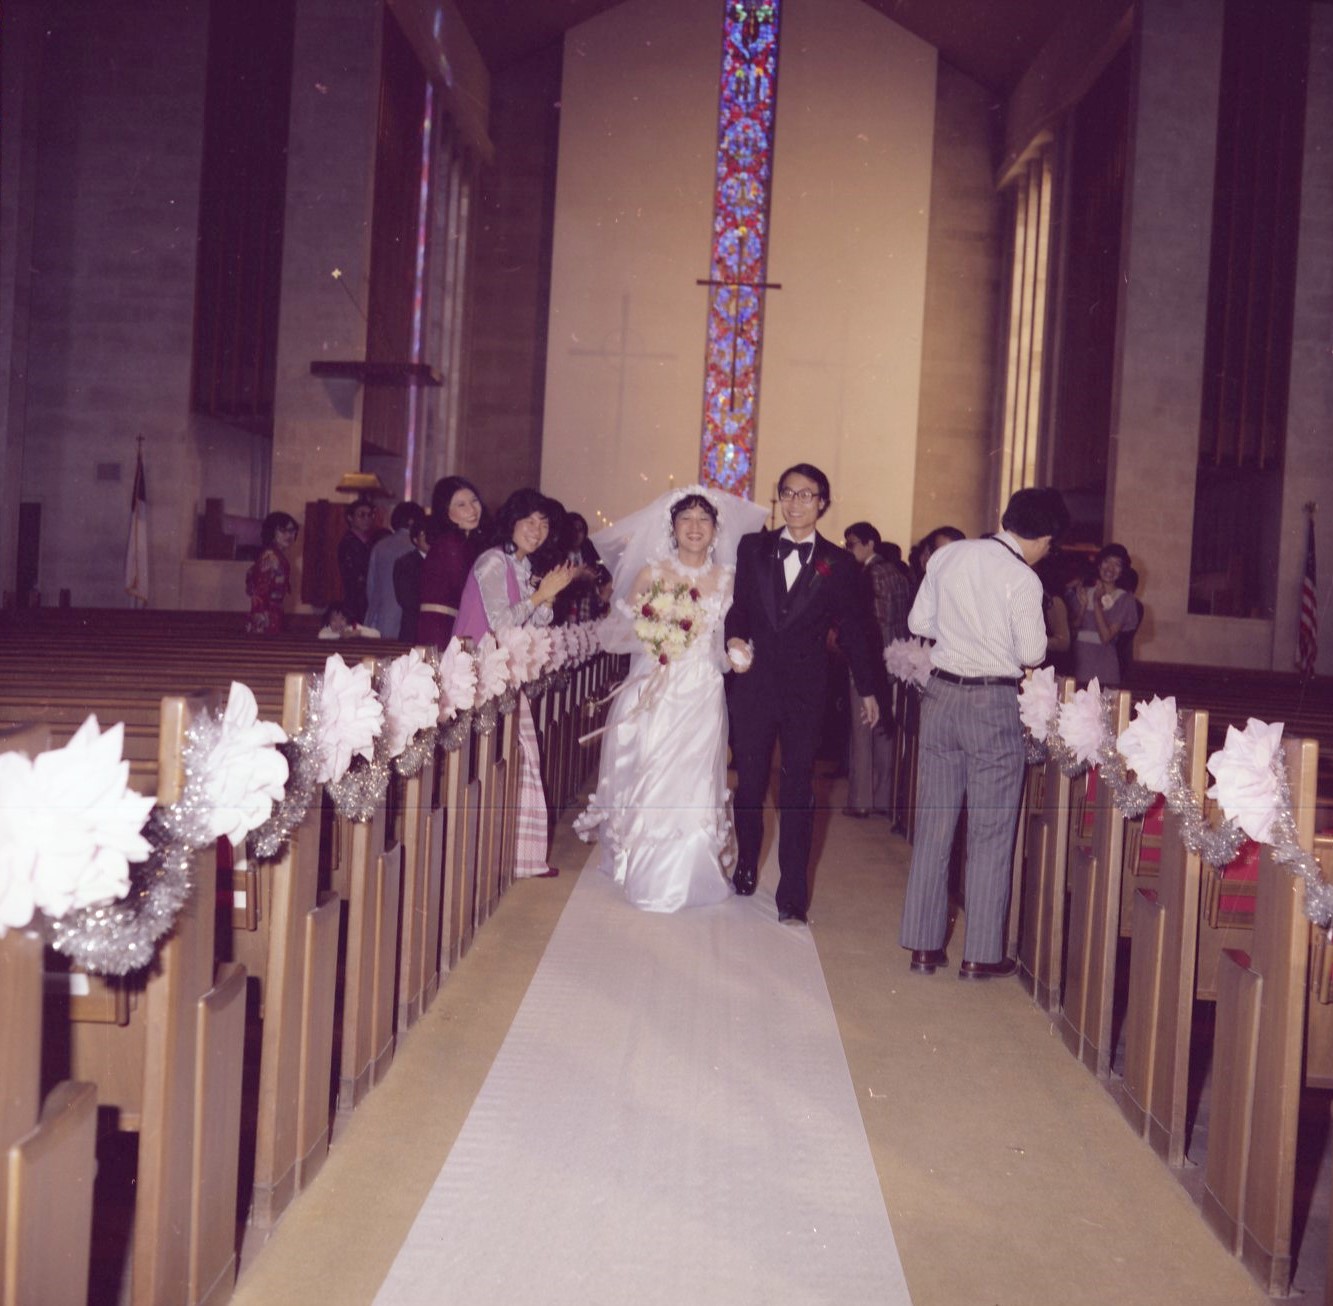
660 812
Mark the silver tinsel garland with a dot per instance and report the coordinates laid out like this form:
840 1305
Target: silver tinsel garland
122 937
454 734
417 753
1288 852
302 753
485 717
1216 845
363 785
1129 796
507 701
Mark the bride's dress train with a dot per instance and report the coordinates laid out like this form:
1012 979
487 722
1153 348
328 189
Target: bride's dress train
661 811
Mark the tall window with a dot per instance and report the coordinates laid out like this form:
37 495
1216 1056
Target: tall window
1251 296
747 104
1029 225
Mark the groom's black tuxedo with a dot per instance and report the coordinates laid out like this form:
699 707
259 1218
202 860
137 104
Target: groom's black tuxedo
781 697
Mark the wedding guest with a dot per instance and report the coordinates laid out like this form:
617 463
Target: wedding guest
338 624
501 592
980 602
1102 612
382 608
1124 642
885 598
270 576
407 581
458 525
1053 571
354 555
933 542
582 600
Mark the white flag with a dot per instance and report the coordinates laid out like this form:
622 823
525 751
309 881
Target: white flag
136 550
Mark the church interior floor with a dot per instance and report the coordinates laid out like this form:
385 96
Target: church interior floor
1007 1171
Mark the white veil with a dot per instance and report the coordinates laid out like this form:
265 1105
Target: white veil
644 536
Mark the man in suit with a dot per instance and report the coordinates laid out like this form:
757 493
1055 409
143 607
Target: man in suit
791 587
981 602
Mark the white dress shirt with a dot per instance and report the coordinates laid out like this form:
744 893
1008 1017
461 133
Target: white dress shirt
981 604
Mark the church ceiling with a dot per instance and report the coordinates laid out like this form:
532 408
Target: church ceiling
992 41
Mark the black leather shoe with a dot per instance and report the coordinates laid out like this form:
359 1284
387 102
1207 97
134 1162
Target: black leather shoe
981 970
925 960
744 879
785 915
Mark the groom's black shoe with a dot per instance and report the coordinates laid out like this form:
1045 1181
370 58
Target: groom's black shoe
744 879
786 914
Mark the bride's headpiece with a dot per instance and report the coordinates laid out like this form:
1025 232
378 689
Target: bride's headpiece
645 537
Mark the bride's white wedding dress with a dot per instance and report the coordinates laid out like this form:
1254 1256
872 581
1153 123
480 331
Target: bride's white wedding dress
661 811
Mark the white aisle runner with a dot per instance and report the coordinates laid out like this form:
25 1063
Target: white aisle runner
670 1120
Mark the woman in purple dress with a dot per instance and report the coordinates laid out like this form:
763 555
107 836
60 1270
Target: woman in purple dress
458 524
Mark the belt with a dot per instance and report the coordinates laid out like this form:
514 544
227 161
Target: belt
442 608
1012 681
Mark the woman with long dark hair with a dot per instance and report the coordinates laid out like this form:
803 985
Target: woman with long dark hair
270 576
499 593
458 525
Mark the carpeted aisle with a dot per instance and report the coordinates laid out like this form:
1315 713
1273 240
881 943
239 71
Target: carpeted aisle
669 1120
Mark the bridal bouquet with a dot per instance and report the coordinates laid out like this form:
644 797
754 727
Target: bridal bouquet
666 617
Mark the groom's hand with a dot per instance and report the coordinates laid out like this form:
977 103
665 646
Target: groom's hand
740 655
870 711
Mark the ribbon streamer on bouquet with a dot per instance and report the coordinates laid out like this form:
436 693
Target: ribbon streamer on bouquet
654 686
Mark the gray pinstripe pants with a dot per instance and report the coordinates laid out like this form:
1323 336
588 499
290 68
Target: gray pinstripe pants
971 742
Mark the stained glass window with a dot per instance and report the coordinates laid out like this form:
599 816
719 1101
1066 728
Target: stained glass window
736 282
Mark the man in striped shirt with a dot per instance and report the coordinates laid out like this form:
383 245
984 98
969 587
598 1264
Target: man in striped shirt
981 603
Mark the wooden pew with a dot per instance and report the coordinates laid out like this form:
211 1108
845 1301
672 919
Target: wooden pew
1094 926
1249 1172
1041 878
173 1073
48 1147
294 956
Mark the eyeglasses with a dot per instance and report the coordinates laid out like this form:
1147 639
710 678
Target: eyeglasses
803 497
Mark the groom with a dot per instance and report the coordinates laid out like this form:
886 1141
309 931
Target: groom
791 587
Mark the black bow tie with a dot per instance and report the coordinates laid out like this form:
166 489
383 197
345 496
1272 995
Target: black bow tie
785 548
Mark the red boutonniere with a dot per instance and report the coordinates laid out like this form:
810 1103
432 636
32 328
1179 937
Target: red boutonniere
822 569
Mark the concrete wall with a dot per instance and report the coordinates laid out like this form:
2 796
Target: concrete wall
851 199
1309 465
954 458
500 445
1155 419
114 205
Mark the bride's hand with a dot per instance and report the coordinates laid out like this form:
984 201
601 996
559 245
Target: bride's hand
740 655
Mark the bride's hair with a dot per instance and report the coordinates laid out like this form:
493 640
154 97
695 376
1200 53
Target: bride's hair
688 501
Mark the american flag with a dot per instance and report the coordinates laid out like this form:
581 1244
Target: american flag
1307 635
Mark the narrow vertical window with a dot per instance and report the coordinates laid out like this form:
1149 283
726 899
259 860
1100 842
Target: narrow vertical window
736 284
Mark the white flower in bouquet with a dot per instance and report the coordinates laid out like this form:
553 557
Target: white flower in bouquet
411 700
1081 725
69 827
1038 701
1148 743
458 680
244 774
492 669
350 718
1247 788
